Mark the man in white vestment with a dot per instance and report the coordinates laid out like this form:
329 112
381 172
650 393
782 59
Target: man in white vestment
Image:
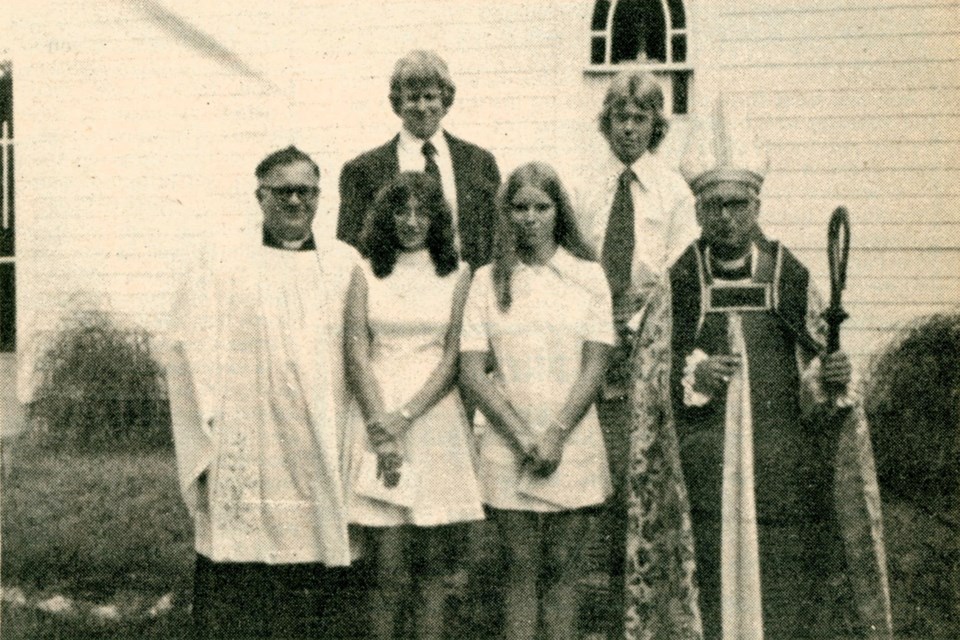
256 389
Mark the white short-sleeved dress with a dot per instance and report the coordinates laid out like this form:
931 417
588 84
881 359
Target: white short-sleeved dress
409 315
538 346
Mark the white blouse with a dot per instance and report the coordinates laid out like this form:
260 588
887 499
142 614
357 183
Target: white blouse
538 347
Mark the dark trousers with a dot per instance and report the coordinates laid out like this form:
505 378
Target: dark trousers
614 415
239 601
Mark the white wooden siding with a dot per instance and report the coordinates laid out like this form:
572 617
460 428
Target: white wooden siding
858 101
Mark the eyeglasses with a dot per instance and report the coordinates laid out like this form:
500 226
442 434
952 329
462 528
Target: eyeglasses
285 191
737 206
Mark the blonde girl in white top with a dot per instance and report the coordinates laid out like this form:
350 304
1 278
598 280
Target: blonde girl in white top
543 310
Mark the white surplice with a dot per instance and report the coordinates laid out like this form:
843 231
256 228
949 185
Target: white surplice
255 371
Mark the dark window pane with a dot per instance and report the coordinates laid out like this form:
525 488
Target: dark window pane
6 194
8 310
679 48
6 159
681 85
677 17
639 31
6 94
600 11
597 50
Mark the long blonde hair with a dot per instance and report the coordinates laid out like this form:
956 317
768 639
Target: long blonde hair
542 176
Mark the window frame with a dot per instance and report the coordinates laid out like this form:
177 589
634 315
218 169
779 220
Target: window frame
669 71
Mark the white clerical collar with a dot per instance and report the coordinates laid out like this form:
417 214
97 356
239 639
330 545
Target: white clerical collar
750 258
295 245
410 143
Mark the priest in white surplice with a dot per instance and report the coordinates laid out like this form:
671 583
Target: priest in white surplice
256 387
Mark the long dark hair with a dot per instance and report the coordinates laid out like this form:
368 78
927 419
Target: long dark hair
379 242
565 232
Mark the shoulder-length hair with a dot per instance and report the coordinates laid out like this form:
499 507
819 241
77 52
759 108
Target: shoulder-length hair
379 242
538 175
639 88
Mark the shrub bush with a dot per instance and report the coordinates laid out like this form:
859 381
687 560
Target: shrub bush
913 403
101 389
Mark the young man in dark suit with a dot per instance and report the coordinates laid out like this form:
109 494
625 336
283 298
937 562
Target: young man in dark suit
421 93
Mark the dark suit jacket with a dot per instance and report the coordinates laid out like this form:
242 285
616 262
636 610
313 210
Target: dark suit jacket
475 174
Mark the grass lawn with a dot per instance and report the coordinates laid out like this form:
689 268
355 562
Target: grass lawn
104 528
111 529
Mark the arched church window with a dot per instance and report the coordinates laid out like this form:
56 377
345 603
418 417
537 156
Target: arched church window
648 33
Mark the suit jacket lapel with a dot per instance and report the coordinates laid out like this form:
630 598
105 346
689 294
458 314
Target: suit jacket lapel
461 167
462 174
387 163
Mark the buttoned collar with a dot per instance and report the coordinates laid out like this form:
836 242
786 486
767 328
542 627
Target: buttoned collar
562 262
410 144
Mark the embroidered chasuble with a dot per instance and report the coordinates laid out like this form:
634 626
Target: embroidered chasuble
256 384
751 517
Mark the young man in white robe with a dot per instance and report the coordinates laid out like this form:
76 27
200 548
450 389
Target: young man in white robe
255 374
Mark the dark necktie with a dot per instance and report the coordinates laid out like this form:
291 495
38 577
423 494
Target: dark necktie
431 168
618 243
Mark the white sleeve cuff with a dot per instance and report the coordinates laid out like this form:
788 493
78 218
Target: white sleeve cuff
811 380
691 397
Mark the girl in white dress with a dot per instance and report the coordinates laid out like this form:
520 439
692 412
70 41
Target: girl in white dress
543 309
402 328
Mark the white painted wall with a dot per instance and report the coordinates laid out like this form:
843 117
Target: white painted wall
133 146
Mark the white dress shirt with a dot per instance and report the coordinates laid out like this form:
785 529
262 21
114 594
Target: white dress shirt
410 158
664 219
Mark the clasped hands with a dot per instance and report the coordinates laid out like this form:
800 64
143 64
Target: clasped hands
383 434
541 454
714 373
